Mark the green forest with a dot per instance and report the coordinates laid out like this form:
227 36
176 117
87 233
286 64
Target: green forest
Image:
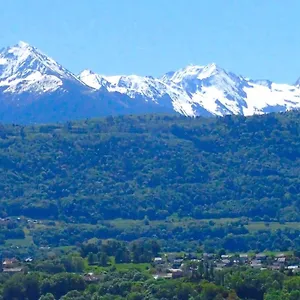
132 167
217 183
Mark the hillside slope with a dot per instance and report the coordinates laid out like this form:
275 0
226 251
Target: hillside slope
155 166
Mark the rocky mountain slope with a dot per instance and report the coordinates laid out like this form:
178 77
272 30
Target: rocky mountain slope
204 90
34 88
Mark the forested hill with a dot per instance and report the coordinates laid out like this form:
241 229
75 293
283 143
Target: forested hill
154 166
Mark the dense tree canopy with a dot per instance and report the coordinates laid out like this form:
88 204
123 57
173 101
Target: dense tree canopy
231 284
153 166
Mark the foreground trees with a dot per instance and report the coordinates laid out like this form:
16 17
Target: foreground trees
239 284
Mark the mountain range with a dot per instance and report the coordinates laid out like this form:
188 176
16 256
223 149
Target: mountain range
34 88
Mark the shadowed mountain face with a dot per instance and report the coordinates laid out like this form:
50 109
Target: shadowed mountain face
35 88
203 90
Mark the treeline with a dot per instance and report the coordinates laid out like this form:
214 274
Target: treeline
202 284
174 235
101 254
153 166
233 237
136 252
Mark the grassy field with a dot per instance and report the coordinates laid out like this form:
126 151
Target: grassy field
171 223
256 226
27 242
142 267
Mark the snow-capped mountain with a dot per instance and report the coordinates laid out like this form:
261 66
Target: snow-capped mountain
147 88
204 90
35 88
24 68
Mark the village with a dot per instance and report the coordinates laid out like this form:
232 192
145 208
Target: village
173 266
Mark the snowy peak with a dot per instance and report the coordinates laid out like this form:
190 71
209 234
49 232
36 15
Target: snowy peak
92 79
202 90
143 88
193 72
25 58
23 44
86 72
27 75
131 85
24 68
211 87
196 78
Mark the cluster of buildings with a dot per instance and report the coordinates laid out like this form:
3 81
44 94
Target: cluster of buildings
13 265
172 266
260 261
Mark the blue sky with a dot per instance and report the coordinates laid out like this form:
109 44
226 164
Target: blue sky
255 38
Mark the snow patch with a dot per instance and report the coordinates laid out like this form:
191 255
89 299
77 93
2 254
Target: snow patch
203 88
24 68
190 91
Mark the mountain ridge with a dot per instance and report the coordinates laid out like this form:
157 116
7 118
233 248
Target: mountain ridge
24 65
34 86
214 89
